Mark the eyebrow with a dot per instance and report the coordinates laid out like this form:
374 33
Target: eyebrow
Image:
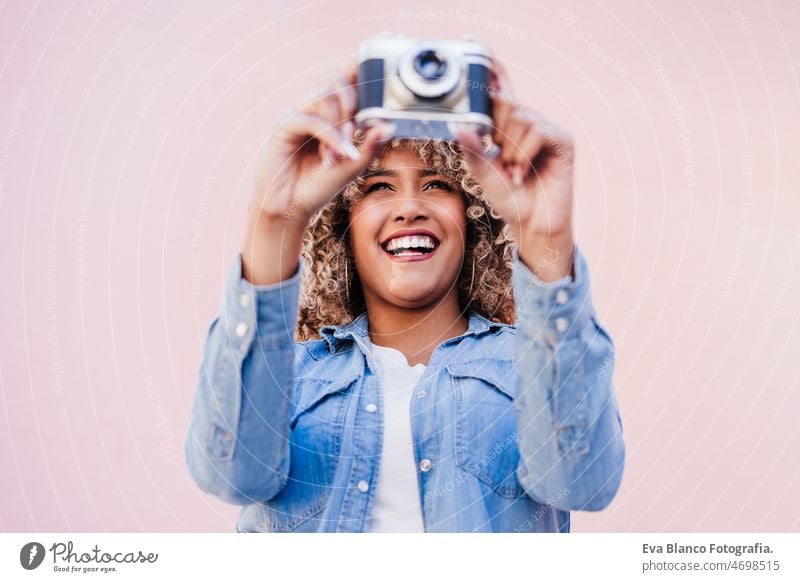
422 173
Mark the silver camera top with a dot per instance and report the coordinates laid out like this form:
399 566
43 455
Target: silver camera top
424 85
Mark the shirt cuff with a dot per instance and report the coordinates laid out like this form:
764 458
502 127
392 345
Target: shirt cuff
555 309
268 312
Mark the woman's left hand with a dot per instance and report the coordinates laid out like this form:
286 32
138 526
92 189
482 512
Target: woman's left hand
530 182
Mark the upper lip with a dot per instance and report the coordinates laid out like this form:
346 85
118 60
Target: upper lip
411 232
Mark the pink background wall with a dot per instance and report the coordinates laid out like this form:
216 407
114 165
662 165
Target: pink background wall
127 141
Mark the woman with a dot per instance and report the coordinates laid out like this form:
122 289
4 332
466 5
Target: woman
417 352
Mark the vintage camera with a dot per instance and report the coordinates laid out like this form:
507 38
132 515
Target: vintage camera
423 86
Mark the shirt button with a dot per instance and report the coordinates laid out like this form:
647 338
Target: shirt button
562 324
425 465
561 297
244 300
371 407
241 329
363 486
420 393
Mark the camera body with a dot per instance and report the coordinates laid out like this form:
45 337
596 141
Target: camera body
423 86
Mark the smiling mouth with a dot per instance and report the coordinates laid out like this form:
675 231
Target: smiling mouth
411 246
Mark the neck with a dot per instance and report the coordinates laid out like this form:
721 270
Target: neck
415 332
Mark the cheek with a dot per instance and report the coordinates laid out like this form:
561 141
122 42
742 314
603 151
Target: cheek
365 223
456 220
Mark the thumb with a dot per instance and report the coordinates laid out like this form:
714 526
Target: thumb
336 174
482 164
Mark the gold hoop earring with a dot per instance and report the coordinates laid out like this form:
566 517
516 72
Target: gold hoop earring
347 281
472 280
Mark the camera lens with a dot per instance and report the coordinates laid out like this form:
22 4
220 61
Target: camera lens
429 65
429 72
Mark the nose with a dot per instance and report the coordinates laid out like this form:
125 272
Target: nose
408 204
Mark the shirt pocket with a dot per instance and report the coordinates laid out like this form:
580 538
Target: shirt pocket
287 514
317 424
319 402
486 435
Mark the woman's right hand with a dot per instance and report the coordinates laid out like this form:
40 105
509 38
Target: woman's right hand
311 156
308 159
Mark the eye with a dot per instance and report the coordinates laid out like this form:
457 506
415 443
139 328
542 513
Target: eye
378 186
438 185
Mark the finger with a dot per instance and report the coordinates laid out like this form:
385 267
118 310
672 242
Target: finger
302 127
338 174
326 107
373 139
345 95
351 76
530 145
499 73
517 125
502 106
557 141
502 96
351 72
502 77
558 137
481 164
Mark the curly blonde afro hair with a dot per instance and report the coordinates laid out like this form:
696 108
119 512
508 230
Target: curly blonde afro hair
331 290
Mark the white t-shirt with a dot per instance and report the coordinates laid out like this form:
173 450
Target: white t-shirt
397 504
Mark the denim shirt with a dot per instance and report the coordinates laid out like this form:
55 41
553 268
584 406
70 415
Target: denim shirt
514 426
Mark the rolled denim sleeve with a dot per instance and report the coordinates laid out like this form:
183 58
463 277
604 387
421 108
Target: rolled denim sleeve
570 431
237 446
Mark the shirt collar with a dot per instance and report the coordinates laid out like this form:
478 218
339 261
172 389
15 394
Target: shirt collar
335 336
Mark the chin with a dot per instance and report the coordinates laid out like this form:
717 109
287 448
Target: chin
415 296
412 299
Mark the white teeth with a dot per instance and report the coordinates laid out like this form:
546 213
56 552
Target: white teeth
410 242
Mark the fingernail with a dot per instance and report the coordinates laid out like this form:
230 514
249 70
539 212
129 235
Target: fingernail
350 151
516 175
387 130
457 127
327 157
348 129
